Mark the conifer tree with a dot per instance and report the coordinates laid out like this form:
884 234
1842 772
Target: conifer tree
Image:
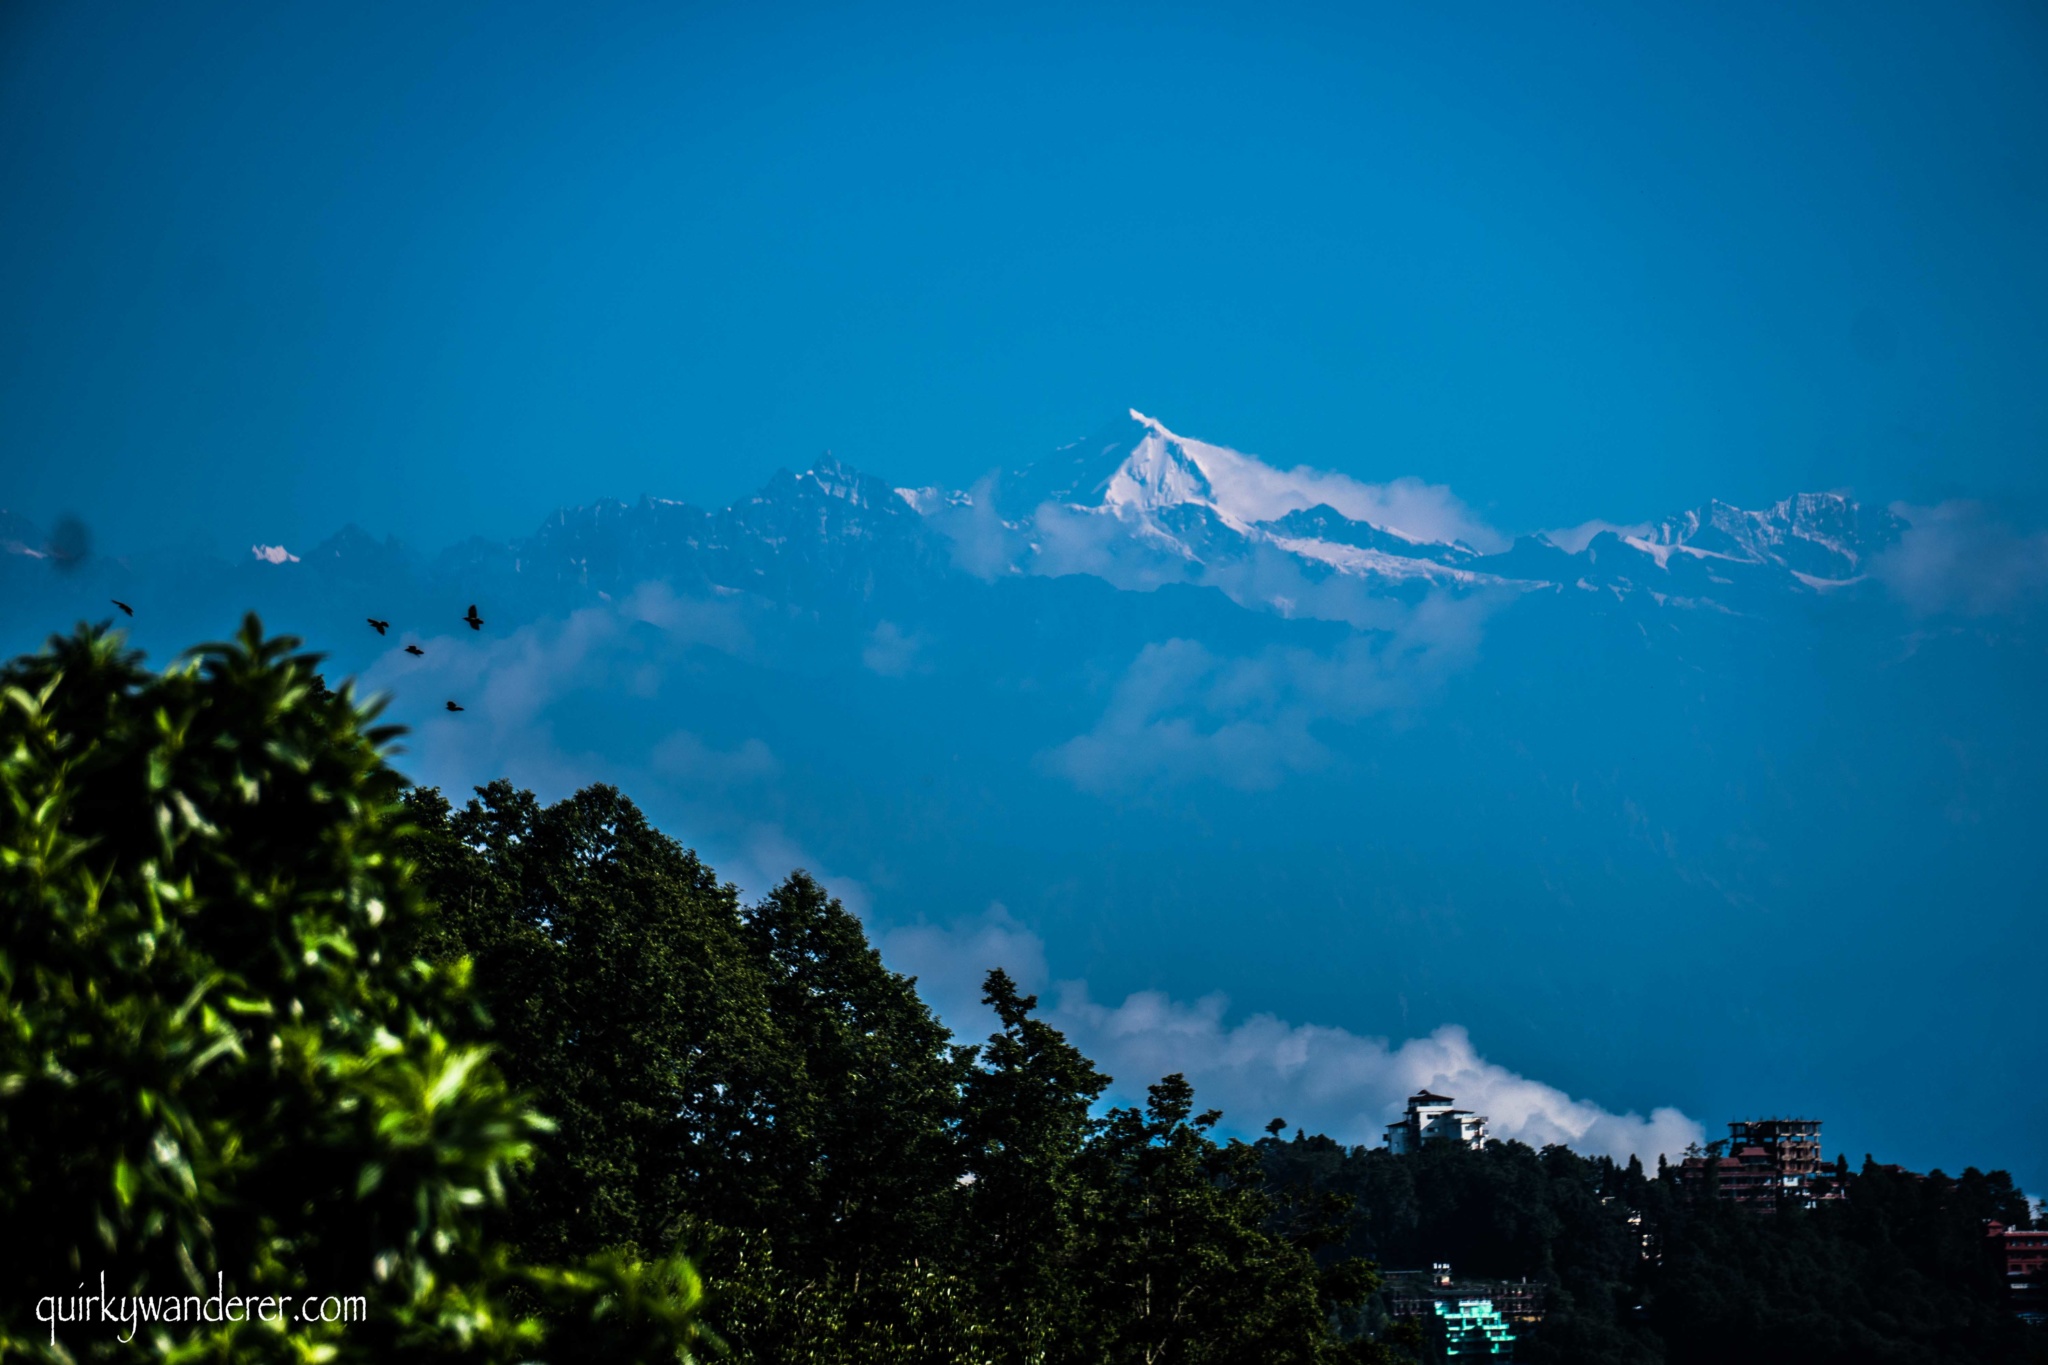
1026 1123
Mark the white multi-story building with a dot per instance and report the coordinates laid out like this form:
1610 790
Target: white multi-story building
1434 1118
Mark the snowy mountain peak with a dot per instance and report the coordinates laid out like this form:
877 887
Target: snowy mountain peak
1165 471
1139 468
839 480
1822 535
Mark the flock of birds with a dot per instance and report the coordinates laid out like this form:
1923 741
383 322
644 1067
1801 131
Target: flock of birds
469 618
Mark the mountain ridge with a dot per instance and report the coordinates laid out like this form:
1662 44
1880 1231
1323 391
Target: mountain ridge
1177 508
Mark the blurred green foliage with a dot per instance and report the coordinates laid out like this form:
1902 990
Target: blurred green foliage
220 1059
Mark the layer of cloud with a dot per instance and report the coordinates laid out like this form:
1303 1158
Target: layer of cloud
1317 1077
1959 557
1131 553
1128 548
519 689
950 961
1334 1081
1259 491
891 652
1182 712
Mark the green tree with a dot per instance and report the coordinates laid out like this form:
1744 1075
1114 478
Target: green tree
861 1172
752 1083
623 994
219 1060
1188 1265
1025 1125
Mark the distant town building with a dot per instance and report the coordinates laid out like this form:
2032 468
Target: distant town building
2021 1257
1434 1118
1474 1327
1762 1162
1468 1318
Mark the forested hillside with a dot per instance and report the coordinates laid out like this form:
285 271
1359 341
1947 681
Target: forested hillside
752 1082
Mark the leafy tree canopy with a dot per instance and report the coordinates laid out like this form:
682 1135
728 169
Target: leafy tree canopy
220 1063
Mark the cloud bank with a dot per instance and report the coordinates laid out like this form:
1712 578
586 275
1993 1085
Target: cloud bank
1182 712
1317 1077
528 697
1959 557
1259 491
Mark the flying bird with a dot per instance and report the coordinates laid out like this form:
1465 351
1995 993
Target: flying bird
414 650
131 611
379 626
453 707
475 622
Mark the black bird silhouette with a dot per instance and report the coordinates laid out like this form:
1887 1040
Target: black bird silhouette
414 650
475 622
453 707
131 611
379 626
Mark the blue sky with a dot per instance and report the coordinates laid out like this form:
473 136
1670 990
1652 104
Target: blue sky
268 268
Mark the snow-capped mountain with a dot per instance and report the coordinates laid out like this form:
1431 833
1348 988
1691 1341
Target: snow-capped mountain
1152 506
1823 538
1161 484
1136 504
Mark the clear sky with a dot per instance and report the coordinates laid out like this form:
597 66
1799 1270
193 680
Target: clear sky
266 268
437 268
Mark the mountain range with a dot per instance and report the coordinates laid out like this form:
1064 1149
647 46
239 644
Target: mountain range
1684 813
1159 508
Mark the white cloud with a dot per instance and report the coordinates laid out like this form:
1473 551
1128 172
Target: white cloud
1333 1081
1182 712
1958 557
891 652
1257 491
513 688
950 961
1119 541
1323 1079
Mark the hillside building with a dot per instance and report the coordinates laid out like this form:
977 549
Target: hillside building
2021 1257
1762 1162
1467 1318
1434 1118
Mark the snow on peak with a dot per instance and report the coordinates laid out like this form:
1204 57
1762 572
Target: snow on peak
1827 535
930 499
837 479
1165 469
273 554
